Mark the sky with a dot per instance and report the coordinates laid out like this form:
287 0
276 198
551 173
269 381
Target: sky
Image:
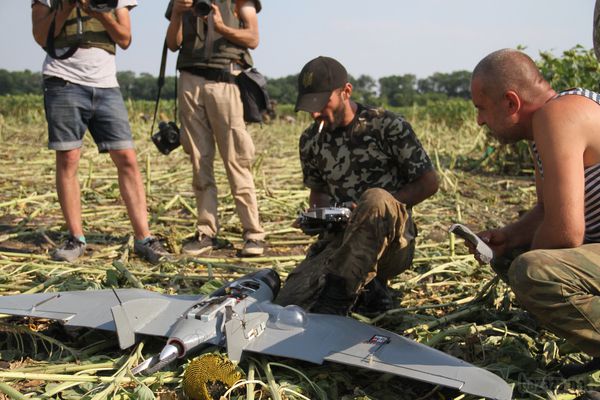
377 38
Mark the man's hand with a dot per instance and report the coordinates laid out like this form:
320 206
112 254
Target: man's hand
247 36
181 6
496 239
217 18
85 6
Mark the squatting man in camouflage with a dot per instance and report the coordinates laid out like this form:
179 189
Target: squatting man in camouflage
550 256
369 158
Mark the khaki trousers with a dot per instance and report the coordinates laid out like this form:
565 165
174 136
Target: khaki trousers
561 288
378 241
212 113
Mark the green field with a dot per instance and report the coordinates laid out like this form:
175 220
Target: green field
447 300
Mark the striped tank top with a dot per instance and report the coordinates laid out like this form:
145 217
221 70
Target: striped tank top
592 178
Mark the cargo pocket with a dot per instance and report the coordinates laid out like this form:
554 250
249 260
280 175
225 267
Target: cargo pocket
586 304
244 147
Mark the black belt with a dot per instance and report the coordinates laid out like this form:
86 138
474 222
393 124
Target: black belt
212 74
53 79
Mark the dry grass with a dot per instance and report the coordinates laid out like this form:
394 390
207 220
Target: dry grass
448 301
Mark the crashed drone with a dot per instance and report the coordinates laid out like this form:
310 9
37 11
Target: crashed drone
241 317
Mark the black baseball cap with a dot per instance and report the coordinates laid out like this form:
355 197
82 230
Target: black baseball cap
318 78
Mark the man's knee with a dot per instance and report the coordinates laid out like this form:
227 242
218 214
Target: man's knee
125 160
67 164
531 273
375 199
68 160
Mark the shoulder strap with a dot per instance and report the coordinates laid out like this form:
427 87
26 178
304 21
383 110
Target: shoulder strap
51 50
160 84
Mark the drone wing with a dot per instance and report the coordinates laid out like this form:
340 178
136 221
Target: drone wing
347 341
124 311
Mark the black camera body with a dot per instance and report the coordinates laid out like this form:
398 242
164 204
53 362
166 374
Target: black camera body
202 7
167 137
103 5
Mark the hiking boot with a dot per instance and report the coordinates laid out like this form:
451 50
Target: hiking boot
253 248
151 250
333 299
577 369
200 245
375 298
589 395
70 251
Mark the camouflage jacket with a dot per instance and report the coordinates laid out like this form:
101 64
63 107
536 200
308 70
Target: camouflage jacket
377 150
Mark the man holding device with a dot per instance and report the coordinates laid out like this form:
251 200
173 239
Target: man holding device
81 92
213 40
370 160
556 277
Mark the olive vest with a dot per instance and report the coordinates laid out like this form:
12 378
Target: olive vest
193 53
94 34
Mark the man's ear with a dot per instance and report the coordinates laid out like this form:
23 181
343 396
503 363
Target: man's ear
513 101
347 91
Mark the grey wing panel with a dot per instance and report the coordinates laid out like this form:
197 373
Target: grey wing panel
148 312
347 341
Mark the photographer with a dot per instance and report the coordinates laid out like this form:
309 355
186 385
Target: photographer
81 92
368 158
213 49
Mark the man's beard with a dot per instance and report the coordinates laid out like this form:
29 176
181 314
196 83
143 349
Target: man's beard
338 117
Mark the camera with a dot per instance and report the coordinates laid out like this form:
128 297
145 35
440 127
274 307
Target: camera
167 137
202 7
103 5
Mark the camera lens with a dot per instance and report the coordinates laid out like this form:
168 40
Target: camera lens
103 5
172 136
202 7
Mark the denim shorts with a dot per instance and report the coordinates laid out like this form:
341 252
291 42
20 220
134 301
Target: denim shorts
71 109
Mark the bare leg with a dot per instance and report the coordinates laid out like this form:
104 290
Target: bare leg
67 188
132 190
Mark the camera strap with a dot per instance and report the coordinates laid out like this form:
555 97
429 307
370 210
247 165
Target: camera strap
160 83
51 49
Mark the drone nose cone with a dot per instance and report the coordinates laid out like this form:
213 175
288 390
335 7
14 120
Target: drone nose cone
170 351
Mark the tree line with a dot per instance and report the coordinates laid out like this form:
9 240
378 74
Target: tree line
575 67
395 90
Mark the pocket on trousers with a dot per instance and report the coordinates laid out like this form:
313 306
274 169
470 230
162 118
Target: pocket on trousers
244 147
585 303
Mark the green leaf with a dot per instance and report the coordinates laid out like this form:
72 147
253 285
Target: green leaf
143 392
112 278
210 286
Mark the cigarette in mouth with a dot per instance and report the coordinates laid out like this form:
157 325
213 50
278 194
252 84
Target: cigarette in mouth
321 126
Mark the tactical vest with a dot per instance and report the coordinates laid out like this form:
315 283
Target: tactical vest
192 52
94 34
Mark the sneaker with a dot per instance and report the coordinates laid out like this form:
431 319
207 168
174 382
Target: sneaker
151 250
70 251
253 248
200 245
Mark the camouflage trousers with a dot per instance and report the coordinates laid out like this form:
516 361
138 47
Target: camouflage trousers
561 288
378 241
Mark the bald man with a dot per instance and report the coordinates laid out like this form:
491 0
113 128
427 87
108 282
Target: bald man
556 276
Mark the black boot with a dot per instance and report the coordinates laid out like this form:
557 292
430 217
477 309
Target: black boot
375 298
333 299
577 369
